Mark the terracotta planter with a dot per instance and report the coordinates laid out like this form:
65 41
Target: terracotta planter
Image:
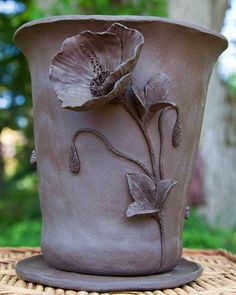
117 119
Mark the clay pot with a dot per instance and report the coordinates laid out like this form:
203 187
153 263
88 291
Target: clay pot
114 165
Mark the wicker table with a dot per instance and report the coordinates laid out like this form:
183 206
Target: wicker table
219 276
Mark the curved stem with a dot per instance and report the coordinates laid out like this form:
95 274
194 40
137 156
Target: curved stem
160 127
161 152
143 129
160 220
177 112
110 147
162 241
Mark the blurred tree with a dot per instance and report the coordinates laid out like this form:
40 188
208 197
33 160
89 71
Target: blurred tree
231 81
125 7
219 153
1 171
15 113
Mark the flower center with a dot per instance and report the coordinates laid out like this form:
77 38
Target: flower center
96 85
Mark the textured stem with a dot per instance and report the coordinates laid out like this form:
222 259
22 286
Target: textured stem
161 152
162 241
143 129
160 220
110 147
176 139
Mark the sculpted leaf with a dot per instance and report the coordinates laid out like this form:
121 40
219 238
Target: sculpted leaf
157 88
139 208
154 96
141 186
149 196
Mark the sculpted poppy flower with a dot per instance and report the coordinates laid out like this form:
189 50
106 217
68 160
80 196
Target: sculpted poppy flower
94 68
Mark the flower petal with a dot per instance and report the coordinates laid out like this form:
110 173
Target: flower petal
163 189
132 42
142 189
139 208
69 67
103 49
68 92
95 102
69 72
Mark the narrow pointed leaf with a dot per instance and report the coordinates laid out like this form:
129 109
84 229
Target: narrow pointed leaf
139 208
142 190
141 187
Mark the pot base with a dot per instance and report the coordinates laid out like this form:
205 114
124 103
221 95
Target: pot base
36 270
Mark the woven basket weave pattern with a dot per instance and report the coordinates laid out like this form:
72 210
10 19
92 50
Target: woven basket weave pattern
219 276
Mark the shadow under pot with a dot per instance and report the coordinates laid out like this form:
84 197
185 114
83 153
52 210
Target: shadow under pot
118 105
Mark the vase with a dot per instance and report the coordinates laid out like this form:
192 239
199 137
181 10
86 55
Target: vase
118 104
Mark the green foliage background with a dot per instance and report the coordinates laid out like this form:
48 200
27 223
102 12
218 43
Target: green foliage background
20 220
197 234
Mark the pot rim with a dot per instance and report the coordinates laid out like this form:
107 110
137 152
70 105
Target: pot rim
117 18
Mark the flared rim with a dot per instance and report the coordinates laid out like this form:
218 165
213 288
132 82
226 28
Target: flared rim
117 18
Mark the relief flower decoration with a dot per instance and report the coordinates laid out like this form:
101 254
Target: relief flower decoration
150 195
94 68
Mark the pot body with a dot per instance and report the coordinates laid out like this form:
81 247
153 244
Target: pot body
85 228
